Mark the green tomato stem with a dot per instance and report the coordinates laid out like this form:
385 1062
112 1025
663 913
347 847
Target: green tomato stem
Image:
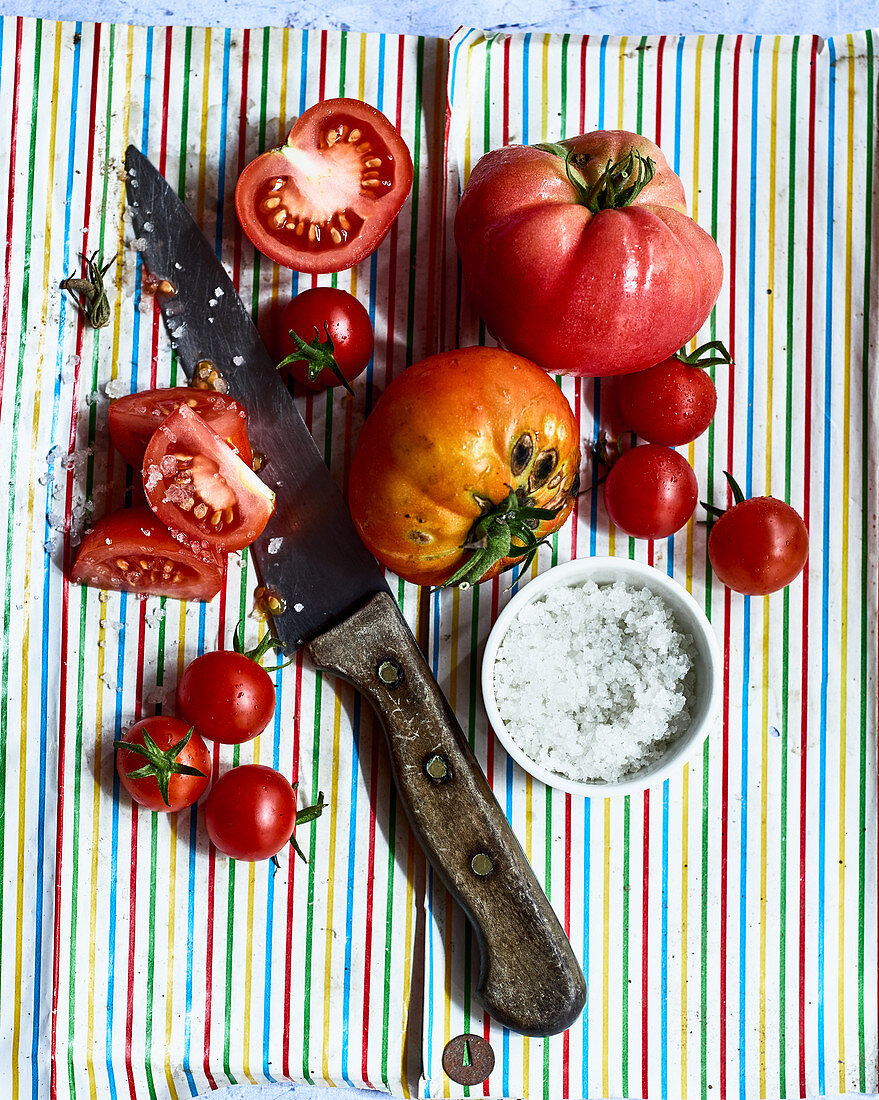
318 355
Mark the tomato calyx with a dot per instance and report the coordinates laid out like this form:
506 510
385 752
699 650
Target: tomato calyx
698 358
714 513
619 184
303 817
161 764
259 651
492 538
318 355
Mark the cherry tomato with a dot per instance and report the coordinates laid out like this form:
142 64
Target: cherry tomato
131 551
758 546
325 336
580 255
199 487
463 449
674 402
250 813
650 492
163 764
227 695
325 200
134 418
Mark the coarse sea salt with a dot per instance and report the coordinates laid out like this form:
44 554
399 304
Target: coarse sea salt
593 681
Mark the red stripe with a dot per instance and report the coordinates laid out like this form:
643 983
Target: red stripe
367 951
645 940
659 52
68 548
807 466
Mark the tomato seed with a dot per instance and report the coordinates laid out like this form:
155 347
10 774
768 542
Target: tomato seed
343 221
276 184
279 218
200 510
313 234
355 136
373 162
270 203
228 515
370 183
364 147
122 564
336 235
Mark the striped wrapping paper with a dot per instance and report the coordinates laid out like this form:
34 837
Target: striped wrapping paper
135 962
726 919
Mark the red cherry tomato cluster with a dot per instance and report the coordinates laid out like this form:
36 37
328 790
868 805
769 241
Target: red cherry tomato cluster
165 765
204 500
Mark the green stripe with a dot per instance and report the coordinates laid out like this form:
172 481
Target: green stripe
785 668
866 542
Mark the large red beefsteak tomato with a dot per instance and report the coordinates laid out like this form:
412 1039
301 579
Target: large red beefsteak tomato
468 460
580 255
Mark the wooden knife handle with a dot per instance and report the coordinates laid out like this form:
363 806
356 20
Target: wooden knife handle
530 980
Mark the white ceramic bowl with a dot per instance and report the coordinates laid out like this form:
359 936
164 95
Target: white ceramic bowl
690 619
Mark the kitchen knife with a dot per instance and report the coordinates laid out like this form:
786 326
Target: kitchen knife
333 599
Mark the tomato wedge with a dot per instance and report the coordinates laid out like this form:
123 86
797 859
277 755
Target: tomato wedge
131 551
199 487
325 200
135 417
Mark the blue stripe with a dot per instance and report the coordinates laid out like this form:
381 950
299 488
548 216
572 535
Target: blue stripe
746 609
825 569
526 51
602 91
679 57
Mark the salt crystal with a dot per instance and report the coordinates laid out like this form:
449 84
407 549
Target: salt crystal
139 244
238 360
298 607
147 227
116 388
274 545
593 681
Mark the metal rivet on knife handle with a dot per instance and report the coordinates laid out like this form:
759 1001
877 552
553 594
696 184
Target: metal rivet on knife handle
468 1059
482 864
437 767
390 672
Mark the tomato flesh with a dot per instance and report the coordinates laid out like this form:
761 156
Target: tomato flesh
325 199
183 790
650 492
759 546
250 813
135 417
199 487
131 551
227 696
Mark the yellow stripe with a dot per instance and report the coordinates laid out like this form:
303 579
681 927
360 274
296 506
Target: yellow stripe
605 958
407 960
621 83
26 597
361 82
447 1007
843 643
544 106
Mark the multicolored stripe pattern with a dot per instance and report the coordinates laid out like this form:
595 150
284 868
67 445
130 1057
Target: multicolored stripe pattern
134 961
727 918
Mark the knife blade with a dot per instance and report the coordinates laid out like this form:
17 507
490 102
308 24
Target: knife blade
336 602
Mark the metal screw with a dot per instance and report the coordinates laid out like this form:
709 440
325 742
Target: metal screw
437 767
390 672
468 1059
482 864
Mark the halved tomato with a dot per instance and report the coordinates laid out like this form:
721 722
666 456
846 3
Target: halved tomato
135 417
131 551
199 487
325 200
